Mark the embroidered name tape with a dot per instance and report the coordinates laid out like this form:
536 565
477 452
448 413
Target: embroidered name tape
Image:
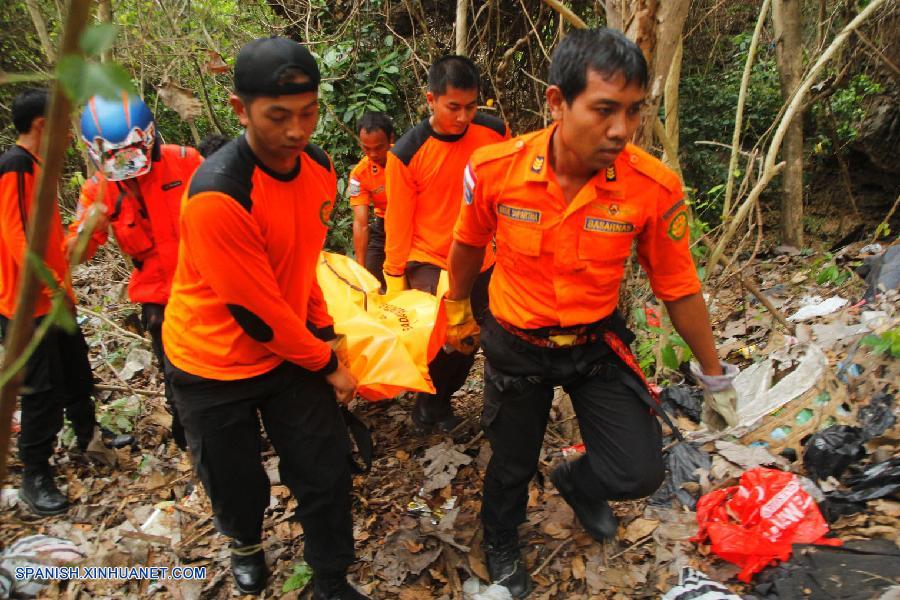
607 226
519 214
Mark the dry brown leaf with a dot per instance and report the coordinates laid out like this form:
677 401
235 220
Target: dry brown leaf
179 99
478 567
557 531
402 456
412 545
640 528
578 567
889 508
215 63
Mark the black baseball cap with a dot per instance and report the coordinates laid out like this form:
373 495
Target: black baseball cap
261 64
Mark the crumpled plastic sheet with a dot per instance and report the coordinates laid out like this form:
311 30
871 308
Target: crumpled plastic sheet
877 416
695 585
682 462
829 452
684 400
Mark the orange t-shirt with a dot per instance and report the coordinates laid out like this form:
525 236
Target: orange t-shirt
424 190
19 170
366 186
561 264
245 284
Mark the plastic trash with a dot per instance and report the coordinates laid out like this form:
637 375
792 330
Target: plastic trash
860 570
816 307
475 590
755 523
695 585
683 461
33 551
829 452
877 416
875 481
881 272
681 399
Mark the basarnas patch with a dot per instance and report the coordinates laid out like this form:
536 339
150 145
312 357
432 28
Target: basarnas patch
678 226
607 226
354 188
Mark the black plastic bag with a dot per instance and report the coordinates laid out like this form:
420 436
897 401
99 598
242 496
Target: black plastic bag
829 452
682 461
878 416
684 400
880 480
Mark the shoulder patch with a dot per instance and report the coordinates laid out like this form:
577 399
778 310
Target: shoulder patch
229 171
318 155
652 167
16 160
410 142
491 122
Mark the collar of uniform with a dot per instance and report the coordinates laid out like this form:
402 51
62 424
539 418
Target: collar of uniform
538 159
289 176
35 158
444 137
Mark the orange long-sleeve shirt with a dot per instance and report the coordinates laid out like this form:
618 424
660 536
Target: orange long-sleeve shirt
425 190
245 283
19 171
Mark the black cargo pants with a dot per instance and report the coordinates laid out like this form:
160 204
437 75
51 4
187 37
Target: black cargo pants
58 380
152 317
622 437
449 370
304 423
375 250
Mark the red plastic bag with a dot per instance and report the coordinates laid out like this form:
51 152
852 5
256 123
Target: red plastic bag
755 523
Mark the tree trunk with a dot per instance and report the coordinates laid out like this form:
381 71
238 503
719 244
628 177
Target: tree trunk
656 27
105 15
462 27
789 54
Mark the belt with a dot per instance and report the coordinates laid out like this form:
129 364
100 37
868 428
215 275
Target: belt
564 337
555 337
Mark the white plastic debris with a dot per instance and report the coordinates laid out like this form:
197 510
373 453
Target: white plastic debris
475 590
33 551
695 585
9 498
757 396
138 360
814 306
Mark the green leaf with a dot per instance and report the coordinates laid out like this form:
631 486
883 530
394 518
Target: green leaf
382 90
668 357
97 38
82 79
62 314
42 271
298 579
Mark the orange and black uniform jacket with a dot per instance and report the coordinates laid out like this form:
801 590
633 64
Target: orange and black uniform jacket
19 171
366 186
561 264
146 222
245 284
424 190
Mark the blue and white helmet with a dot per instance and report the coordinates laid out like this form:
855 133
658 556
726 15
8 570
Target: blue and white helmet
119 134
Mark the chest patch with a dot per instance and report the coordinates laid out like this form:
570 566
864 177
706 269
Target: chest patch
524 215
607 226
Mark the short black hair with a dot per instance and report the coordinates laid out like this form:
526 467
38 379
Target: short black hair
603 50
453 71
28 106
211 143
374 120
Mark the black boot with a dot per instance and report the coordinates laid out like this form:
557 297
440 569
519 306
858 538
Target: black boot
595 515
40 493
335 587
504 562
248 566
432 412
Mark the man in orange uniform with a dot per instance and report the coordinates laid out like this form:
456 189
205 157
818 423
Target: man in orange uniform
366 186
424 185
236 339
566 204
58 374
141 181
